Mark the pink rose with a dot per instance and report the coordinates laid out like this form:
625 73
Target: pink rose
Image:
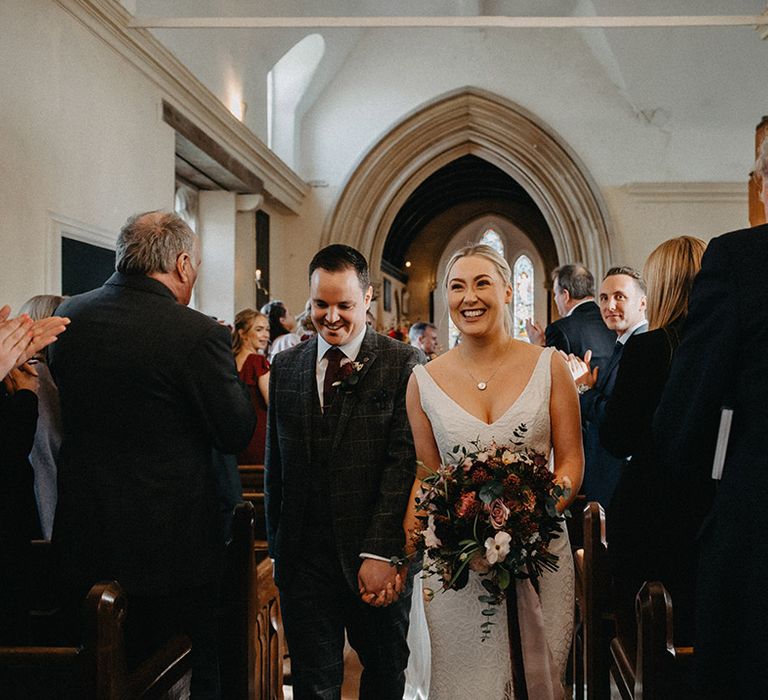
498 513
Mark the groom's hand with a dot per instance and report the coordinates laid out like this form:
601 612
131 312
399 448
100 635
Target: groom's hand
378 582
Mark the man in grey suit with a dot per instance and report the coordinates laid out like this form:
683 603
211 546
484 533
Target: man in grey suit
339 468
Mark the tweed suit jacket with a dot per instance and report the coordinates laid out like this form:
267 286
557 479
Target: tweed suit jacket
372 460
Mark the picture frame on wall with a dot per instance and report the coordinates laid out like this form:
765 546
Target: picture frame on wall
387 293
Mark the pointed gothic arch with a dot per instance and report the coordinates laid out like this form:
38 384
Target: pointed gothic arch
473 121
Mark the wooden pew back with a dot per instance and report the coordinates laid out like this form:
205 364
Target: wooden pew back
251 637
97 669
593 599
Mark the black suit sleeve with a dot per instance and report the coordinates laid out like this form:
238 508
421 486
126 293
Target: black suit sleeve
384 536
686 422
273 467
639 382
18 422
556 338
217 393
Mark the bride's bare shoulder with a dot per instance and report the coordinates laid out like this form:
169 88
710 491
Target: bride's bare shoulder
526 350
444 364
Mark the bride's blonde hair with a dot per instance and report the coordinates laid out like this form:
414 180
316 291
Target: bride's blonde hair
502 267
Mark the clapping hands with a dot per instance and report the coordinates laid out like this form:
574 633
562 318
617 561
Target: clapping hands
582 373
21 338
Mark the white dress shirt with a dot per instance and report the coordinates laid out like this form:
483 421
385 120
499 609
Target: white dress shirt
624 337
350 350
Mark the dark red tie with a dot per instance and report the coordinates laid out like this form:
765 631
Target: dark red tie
334 357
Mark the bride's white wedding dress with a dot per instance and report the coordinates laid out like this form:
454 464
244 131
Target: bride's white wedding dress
448 659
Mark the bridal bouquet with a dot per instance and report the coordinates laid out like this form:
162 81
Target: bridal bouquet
492 511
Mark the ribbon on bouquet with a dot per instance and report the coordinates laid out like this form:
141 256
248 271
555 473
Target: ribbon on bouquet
533 671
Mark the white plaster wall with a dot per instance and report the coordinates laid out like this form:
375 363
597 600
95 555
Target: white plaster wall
80 136
388 75
645 216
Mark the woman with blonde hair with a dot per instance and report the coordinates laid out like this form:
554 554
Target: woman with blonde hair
250 337
651 535
477 393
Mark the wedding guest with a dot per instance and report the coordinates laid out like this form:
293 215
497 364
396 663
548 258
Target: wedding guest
45 450
250 337
721 362
423 336
304 326
651 536
148 390
339 465
21 338
281 328
580 328
19 521
622 302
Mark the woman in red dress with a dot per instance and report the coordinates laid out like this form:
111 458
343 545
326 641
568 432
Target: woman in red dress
250 338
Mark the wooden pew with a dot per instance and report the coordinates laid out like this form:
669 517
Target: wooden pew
97 669
252 478
251 649
660 670
595 622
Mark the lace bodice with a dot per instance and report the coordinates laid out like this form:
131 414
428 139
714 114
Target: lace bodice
447 629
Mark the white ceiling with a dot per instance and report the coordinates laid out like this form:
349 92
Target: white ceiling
672 78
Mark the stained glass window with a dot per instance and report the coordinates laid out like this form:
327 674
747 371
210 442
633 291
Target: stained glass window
522 276
493 239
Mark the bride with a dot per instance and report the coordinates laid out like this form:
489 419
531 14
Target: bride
481 391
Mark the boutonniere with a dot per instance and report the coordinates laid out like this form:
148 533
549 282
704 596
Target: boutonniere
349 374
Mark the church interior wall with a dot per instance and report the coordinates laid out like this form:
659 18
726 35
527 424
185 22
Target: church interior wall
81 137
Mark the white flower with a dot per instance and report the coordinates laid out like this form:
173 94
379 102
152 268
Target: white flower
507 457
497 548
430 538
482 456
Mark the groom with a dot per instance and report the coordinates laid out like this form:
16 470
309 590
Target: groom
340 464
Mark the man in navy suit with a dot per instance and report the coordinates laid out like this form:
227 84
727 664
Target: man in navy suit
722 362
622 305
580 327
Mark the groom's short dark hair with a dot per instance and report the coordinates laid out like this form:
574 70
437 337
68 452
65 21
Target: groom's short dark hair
337 257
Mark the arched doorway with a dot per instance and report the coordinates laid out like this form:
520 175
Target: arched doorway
478 123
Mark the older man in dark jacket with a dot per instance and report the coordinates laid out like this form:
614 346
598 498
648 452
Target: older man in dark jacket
148 387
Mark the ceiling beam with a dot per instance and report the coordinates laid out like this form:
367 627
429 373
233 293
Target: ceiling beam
451 22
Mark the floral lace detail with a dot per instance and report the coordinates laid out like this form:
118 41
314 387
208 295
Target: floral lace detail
461 665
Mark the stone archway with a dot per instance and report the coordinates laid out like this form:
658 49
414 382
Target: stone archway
472 121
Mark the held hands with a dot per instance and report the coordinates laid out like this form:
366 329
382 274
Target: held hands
534 332
380 583
583 375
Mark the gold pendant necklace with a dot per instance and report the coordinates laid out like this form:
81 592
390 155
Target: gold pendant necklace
483 385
